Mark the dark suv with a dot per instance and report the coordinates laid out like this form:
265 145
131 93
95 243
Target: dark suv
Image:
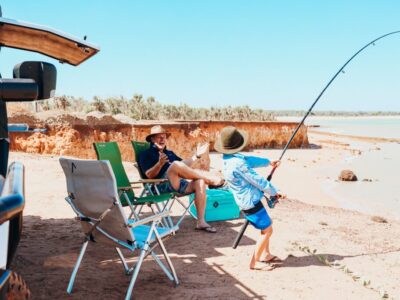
32 80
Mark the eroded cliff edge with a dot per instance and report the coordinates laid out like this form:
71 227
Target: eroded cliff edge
73 135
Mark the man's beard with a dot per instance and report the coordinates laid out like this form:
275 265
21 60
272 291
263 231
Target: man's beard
161 148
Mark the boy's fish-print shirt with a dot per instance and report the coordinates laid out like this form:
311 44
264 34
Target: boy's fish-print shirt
247 186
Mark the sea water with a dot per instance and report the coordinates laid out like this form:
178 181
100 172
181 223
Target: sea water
377 190
382 127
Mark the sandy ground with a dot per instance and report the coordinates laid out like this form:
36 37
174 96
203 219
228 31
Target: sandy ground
355 257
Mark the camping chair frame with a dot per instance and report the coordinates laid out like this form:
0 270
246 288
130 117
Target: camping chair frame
110 151
136 206
142 237
145 248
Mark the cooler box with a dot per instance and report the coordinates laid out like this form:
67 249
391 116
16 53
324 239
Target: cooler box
220 206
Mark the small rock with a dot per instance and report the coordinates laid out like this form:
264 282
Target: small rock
367 179
379 219
347 175
323 223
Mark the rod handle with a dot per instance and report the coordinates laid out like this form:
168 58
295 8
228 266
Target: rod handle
270 174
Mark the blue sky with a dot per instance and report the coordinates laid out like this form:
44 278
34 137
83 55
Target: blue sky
266 54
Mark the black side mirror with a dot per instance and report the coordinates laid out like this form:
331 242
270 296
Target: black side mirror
44 74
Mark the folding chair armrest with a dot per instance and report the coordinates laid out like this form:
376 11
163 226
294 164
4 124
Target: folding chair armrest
156 217
127 188
159 180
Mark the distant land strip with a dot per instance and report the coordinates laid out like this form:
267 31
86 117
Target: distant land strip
357 137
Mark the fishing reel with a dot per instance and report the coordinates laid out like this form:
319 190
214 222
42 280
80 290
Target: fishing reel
274 200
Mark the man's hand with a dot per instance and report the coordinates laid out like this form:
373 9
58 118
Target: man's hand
275 163
163 159
202 149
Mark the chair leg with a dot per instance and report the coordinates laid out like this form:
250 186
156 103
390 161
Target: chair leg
190 205
148 189
162 266
133 208
164 221
75 271
187 209
160 242
135 274
139 209
136 212
139 262
167 221
168 206
143 193
123 260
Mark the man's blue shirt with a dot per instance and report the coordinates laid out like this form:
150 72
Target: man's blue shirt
148 158
247 186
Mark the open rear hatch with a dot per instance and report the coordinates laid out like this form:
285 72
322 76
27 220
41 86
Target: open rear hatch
45 40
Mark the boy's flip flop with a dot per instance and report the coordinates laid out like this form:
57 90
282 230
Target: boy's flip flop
208 229
262 267
273 259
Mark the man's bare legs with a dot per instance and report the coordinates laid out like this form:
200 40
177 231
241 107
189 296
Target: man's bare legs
262 252
179 170
198 187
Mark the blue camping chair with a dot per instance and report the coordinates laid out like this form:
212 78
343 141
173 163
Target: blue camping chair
93 195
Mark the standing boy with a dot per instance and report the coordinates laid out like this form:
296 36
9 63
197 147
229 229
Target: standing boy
248 188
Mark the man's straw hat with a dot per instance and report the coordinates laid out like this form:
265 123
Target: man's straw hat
156 130
231 140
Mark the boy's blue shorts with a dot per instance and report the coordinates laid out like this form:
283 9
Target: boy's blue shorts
260 219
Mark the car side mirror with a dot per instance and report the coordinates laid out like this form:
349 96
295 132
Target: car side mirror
44 74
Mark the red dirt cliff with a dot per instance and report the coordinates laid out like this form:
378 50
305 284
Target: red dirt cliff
73 136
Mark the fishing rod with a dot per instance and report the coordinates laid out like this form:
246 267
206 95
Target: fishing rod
323 91
241 232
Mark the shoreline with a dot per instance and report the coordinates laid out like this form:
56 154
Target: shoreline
374 161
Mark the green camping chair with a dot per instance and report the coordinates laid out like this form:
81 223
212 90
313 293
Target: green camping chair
150 187
110 151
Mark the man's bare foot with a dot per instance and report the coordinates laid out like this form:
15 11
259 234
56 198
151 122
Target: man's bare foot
208 229
205 227
215 180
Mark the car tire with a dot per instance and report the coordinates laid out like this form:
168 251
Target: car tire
17 288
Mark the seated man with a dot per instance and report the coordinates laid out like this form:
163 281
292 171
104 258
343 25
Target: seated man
159 162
